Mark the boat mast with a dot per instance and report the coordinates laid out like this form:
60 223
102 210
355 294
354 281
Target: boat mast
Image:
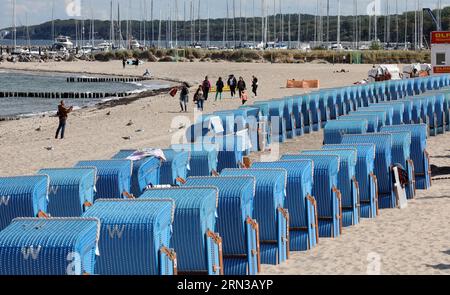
240 22
254 23
153 23
184 24
53 18
144 25
14 23
397 24
111 32
234 23
339 23
208 37
406 24
159 30
299 25
176 23
119 23
199 22
225 26
328 22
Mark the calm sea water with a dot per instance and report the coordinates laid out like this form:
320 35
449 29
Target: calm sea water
43 82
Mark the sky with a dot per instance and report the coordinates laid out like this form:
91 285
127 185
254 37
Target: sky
33 12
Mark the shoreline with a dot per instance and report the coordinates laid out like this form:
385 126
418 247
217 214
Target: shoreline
107 102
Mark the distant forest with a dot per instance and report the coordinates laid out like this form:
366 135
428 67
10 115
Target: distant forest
245 29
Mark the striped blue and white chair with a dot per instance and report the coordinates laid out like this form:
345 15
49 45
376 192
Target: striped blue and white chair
236 225
401 154
198 246
419 155
146 172
174 170
113 177
203 158
71 190
381 116
328 196
135 236
269 210
334 130
301 205
347 183
49 247
383 165
372 120
368 184
23 196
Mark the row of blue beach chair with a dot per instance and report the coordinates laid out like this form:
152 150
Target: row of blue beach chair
203 210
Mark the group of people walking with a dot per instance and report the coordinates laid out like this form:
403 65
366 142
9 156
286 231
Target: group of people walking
202 93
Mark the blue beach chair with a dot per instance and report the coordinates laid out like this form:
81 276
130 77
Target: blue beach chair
347 183
329 200
372 120
198 247
301 205
334 130
145 172
419 155
203 158
175 169
113 177
383 165
49 247
24 196
240 232
71 191
401 154
269 210
135 236
368 184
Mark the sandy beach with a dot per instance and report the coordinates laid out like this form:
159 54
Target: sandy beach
415 240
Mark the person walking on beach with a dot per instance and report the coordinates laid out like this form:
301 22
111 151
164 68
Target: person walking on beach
244 97
219 88
199 98
232 83
255 86
206 85
62 115
241 86
124 62
184 97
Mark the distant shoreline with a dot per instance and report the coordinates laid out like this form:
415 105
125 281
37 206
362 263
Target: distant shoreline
109 102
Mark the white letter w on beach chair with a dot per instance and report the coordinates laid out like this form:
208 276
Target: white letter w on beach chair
115 231
31 251
4 200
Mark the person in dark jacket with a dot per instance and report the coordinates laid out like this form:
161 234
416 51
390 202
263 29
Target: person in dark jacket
232 83
62 114
255 86
184 97
219 88
124 62
206 87
241 86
